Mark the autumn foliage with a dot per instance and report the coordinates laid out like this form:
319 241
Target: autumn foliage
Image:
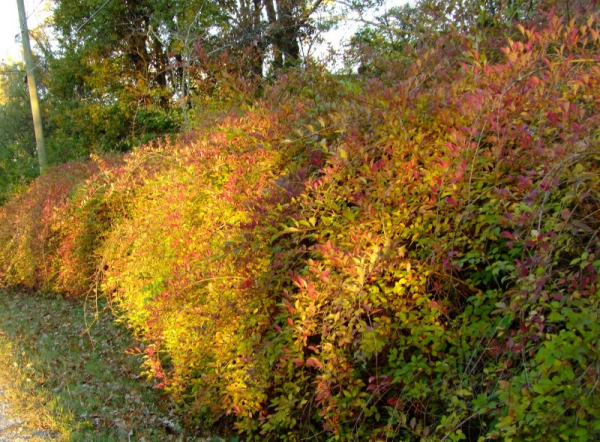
405 257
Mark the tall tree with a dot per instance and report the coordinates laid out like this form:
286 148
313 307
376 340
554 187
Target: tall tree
130 61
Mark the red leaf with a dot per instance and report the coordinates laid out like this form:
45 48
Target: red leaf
314 363
553 118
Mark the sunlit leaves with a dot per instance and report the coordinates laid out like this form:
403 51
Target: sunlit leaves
406 259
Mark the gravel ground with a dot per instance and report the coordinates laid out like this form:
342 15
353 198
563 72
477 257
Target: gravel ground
12 429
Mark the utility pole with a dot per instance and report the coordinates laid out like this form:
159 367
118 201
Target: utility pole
33 94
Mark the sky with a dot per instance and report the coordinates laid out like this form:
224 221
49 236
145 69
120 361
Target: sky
10 46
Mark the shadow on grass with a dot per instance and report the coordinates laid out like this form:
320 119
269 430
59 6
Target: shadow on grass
69 374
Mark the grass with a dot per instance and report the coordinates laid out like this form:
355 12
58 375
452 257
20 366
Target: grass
69 373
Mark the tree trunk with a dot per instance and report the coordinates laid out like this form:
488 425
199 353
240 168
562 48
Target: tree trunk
286 33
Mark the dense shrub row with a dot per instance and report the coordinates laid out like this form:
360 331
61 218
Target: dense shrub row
414 258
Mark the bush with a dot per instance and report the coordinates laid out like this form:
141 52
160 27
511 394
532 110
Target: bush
30 227
408 259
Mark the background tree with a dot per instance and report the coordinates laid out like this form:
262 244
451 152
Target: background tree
115 74
18 163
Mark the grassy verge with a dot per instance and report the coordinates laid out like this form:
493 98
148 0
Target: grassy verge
68 373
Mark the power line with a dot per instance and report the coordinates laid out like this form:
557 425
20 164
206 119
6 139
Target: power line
91 16
35 9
